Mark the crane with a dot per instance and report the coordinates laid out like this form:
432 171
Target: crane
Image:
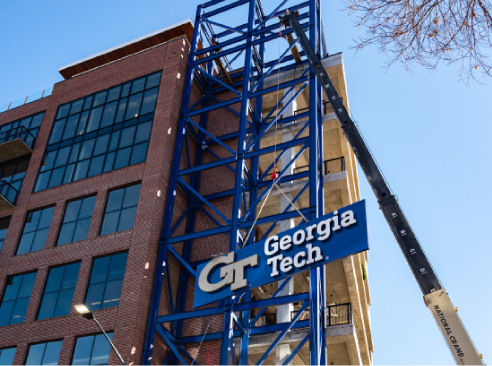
435 296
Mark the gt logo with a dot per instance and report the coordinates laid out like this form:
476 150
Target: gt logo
232 273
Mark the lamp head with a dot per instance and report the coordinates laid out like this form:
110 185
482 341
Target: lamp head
84 311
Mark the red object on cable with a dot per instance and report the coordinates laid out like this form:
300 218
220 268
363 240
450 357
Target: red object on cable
274 173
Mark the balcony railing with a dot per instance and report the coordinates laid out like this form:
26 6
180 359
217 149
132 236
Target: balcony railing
302 110
16 133
329 166
8 192
28 99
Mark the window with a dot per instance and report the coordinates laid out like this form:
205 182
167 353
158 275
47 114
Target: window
44 353
92 350
26 129
120 209
16 298
12 175
106 281
102 132
4 225
77 220
58 293
35 230
7 356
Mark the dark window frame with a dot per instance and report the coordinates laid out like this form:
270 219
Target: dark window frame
24 232
15 300
77 220
44 351
121 208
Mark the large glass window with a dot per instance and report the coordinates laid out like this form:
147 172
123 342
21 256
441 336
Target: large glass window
120 209
35 230
92 350
16 298
58 293
26 129
7 355
12 174
106 281
99 133
4 225
44 353
77 220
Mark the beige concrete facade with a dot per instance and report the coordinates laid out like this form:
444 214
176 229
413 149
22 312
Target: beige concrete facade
349 336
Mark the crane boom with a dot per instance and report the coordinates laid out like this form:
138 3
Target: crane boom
435 296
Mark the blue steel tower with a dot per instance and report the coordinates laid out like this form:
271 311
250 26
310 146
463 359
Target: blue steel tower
238 47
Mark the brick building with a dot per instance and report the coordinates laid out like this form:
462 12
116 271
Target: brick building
84 176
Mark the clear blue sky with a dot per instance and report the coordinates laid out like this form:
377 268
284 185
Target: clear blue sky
429 132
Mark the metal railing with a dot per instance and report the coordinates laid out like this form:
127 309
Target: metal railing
16 133
335 314
329 166
9 192
27 99
302 110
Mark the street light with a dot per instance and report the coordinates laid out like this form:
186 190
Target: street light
86 313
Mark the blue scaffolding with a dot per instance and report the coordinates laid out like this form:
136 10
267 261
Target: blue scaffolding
227 69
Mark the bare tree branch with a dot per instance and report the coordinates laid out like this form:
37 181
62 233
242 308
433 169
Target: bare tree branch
428 32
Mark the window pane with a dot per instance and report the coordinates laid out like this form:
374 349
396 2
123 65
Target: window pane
63 111
115 199
139 153
94 119
19 312
83 350
66 233
127 218
101 144
143 132
7 356
114 94
113 144
100 351
62 157
125 90
133 106
82 123
39 240
54 279
77 106
42 181
46 216
112 294
117 266
108 115
27 285
153 80
86 150
72 211
71 275
68 173
35 355
57 130
81 170
47 305
52 353
99 98
74 153
48 161
131 195
81 229
56 177
6 312
149 100
25 243
87 207
108 164
64 302
88 102
71 127
127 136
110 223
122 158
96 166
138 85
94 296
121 110
100 270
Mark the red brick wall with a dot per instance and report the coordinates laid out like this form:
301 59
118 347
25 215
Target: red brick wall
129 319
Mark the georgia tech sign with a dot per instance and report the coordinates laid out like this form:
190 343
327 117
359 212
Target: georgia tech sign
328 238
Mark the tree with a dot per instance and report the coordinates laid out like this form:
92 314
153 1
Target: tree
428 32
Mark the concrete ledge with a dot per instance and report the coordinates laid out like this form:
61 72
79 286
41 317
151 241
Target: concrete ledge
13 149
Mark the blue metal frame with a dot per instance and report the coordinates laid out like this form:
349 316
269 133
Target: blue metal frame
242 48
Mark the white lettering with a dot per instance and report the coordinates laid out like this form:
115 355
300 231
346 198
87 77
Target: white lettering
285 242
336 225
299 237
323 229
348 218
299 263
311 251
274 245
286 264
309 231
273 262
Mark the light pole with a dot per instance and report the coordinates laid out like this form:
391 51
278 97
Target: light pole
86 313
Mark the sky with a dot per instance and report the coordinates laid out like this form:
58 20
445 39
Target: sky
429 132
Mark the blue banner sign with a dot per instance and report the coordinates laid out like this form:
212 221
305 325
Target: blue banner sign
309 245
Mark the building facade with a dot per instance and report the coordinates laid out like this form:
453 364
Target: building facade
84 177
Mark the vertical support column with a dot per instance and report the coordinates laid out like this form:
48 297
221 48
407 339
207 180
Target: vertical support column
239 177
284 311
317 316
